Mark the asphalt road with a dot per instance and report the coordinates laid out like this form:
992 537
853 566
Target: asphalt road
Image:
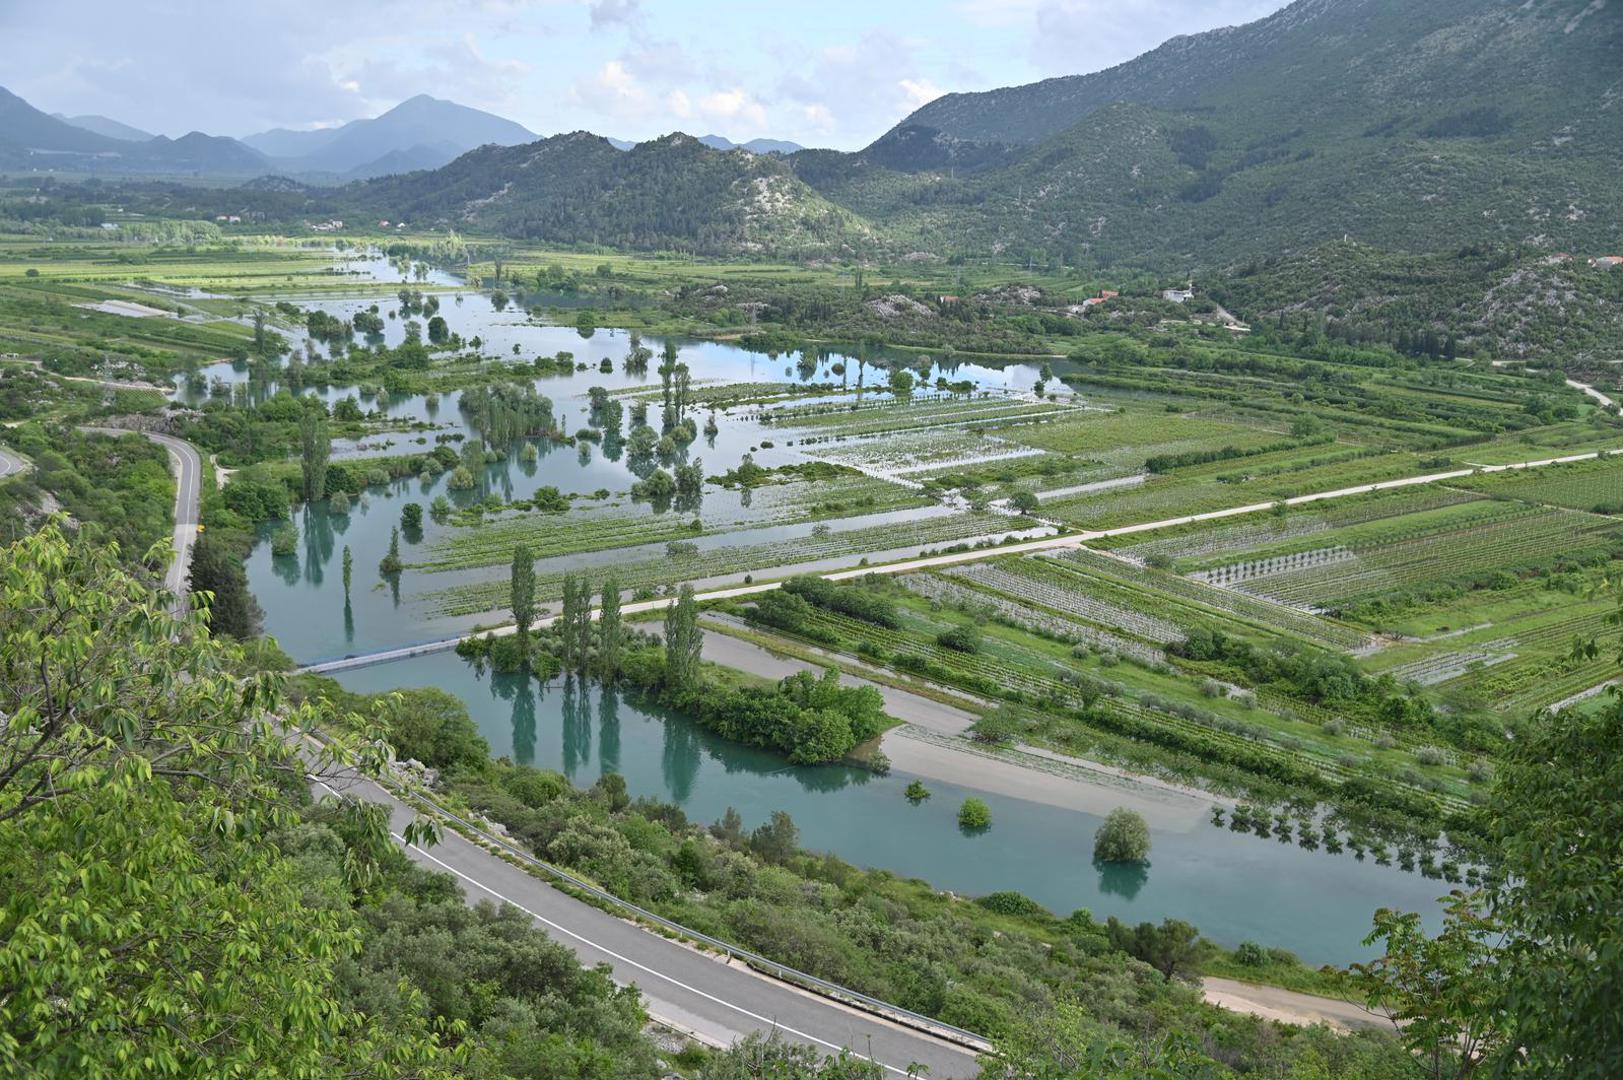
187 465
696 992
11 465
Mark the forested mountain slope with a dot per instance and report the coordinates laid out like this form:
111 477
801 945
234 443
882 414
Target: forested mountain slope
672 192
1405 125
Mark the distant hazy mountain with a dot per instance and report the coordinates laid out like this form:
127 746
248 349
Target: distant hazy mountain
31 139
103 125
422 132
754 146
410 159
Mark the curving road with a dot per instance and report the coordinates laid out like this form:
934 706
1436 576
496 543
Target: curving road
187 464
700 993
11 464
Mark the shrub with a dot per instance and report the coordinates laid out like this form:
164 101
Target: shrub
964 639
1009 902
284 541
974 815
917 792
1124 837
1250 954
1430 755
1001 725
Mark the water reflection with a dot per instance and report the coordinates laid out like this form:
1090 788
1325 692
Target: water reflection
679 760
520 691
1122 879
286 567
608 729
575 726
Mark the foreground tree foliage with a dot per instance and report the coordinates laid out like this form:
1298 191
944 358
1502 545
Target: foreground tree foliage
148 923
172 903
1527 978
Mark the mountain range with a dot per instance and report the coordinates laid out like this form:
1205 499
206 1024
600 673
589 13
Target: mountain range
1418 127
420 133
1407 126
31 139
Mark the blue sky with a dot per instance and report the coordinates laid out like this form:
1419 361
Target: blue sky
828 73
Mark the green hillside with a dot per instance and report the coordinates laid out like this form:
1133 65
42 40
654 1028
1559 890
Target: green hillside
672 192
1402 125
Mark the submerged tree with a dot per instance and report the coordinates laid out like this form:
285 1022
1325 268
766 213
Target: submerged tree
580 625
1124 837
349 572
390 565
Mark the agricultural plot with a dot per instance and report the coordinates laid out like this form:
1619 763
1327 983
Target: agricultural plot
1183 600
1211 543
887 415
1037 471
1602 431
1129 437
491 541
917 451
896 537
1150 705
947 590
1596 486
1032 581
1338 576
1218 485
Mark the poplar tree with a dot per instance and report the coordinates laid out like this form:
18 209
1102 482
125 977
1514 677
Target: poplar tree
581 625
523 590
566 622
609 632
349 572
315 450
683 641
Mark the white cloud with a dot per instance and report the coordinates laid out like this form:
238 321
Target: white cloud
734 105
818 116
918 92
613 92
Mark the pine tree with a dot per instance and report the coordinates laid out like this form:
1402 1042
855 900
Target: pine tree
609 632
523 589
